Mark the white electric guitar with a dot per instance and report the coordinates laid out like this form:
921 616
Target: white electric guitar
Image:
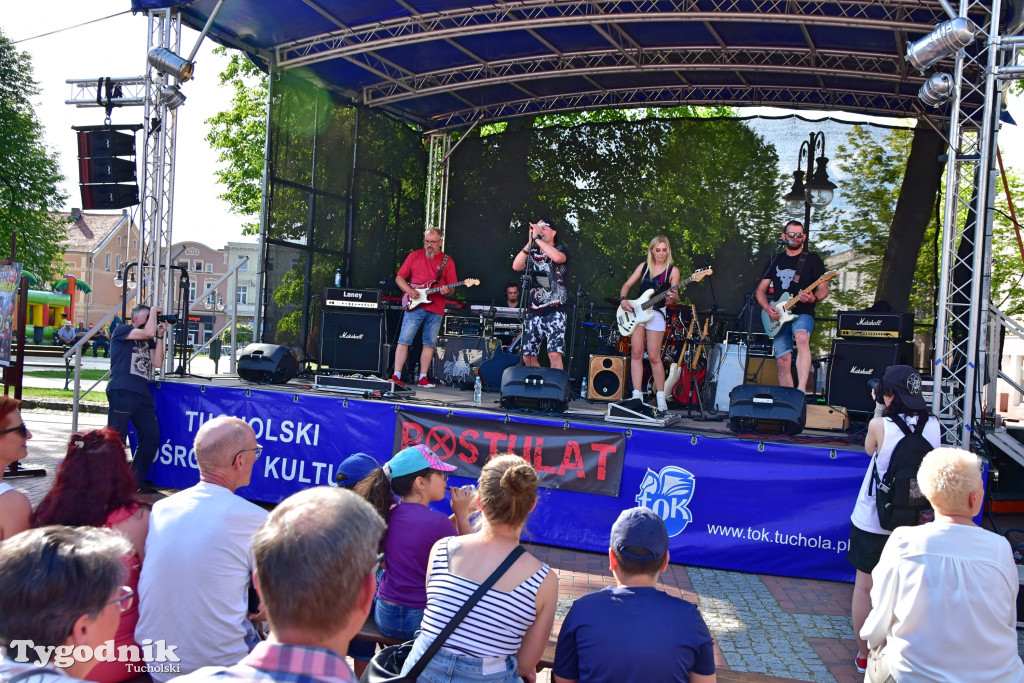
643 308
411 302
786 302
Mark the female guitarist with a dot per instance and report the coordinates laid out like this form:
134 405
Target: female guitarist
657 274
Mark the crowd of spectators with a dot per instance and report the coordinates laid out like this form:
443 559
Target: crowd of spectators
219 589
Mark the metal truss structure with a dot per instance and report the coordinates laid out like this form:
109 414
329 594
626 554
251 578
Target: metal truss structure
437 182
159 137
966 353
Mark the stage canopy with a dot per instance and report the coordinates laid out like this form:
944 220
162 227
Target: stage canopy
443 64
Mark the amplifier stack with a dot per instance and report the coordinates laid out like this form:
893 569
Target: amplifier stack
352 331
870 342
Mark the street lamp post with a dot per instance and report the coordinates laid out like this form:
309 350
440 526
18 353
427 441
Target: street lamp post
121 280
818 190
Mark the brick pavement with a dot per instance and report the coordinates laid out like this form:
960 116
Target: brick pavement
766 628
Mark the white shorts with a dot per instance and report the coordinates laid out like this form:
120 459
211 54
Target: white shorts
656 324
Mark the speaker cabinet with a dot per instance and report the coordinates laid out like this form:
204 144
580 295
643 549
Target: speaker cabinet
267 364
608 378
350 341
853 363
535 388
768 409
762 371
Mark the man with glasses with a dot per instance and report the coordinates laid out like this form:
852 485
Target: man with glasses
316 562
423 268
194 587
791 272
59 586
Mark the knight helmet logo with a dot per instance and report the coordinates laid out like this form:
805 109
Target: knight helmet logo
668 492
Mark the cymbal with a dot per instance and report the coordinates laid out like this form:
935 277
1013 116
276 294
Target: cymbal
613 302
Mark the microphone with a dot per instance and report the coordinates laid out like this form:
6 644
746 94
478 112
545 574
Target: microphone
784 242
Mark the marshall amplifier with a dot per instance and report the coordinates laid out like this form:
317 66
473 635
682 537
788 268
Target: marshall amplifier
350 341
853 363
889 325
347 297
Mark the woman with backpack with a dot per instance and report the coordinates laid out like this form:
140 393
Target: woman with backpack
899 403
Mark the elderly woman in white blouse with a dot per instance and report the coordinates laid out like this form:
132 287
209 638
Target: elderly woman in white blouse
943 594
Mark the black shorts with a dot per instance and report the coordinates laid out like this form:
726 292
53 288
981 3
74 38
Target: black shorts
865 548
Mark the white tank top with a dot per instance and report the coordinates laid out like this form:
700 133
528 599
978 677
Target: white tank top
5 487
865 514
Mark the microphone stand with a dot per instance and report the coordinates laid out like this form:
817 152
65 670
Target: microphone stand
580 294
525 289
750 315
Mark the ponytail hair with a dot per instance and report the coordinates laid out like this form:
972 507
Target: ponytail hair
508 490
376 490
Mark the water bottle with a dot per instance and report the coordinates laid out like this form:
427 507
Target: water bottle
583 388
477 391
337 277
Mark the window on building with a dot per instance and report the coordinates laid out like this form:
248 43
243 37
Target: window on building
244 266
118 240
211 298
209 267
191 291
243 294
107 262
118 267
197 266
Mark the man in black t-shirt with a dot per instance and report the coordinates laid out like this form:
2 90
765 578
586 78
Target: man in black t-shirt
133 354
790 274
547 297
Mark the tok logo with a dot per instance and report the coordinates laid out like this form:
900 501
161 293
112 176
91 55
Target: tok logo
667 493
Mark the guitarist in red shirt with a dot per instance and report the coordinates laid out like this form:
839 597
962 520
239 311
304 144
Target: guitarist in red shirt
427 267
790 273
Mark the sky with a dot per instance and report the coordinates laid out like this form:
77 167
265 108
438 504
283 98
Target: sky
117 47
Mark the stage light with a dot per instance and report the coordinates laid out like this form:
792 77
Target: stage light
937 90
171 96
819 188
947 39
796 197
165 61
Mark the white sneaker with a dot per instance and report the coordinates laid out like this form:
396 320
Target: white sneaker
662 404
638 394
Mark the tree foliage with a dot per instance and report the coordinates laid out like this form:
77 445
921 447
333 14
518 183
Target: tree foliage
30 174
239 133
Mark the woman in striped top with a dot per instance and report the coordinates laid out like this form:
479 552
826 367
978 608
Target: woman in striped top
504 635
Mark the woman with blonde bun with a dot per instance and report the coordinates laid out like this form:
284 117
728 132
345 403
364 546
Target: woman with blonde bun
503 636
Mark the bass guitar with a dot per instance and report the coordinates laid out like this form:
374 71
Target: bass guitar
643 308
785 303
410 302
493 368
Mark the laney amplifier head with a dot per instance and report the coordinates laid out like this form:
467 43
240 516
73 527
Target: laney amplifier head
347 297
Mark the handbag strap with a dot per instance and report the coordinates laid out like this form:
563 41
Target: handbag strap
422 662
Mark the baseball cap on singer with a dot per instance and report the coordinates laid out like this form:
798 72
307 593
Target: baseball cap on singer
414 459
639 534
542 224
906 383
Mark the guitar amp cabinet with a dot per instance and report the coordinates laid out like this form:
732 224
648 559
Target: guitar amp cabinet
350 341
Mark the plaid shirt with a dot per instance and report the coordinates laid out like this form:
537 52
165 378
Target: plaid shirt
282 662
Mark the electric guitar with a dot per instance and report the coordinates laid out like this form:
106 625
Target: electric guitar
686 391
676 368
786 302
643 308
409 302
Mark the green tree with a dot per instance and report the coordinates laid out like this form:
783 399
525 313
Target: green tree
239 133
30 174
243 335
1007 252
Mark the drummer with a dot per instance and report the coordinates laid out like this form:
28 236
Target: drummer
656 273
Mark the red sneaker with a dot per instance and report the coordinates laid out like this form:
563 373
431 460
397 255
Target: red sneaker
862 664
396 380
425 383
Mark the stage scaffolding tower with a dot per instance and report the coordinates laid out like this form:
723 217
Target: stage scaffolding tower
963 348
438 166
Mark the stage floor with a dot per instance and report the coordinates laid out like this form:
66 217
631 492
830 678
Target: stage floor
579 409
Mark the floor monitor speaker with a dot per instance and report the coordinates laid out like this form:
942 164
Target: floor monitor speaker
351 341
853 363
769 409
608 378
535 388
267 364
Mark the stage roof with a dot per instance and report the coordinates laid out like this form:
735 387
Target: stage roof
444 64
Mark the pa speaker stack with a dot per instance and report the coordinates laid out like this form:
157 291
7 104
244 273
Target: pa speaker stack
870 343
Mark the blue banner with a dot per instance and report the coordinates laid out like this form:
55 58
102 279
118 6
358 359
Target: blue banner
767 507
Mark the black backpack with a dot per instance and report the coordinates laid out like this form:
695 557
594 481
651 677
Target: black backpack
898 499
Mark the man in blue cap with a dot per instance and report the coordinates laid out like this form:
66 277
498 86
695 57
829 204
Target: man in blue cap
634 616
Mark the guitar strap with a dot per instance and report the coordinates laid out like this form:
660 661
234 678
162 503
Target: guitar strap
799 268
440 271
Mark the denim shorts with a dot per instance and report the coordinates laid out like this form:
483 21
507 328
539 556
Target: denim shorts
411 322
396 621
448 666
784 339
